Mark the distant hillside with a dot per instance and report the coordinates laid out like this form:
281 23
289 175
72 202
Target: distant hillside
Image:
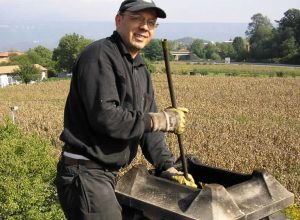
22 36
217 32
187 41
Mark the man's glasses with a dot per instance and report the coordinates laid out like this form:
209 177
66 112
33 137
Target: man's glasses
140 20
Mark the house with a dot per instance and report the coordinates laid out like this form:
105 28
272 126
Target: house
8 79
3 81
43 71
4 56
184 55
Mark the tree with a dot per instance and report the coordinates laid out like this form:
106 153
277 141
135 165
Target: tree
20 60
215 56
260 26
149 66
38 55
289 49
226 50
68 49
210 51
289 37
291 21
27 73
260 36
197 47
239 46
43 56
153 51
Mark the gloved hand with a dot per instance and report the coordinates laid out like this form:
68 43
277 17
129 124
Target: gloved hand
171 119
177 176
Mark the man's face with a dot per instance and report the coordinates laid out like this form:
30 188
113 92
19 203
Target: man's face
136 29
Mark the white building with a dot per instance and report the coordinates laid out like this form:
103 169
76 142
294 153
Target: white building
7 79
3 81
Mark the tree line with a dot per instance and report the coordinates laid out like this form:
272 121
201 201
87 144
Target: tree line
61 59
264 42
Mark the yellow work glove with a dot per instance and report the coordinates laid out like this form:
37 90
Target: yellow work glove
171 119
178 177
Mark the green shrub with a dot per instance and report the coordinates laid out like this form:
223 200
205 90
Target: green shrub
204 73
231 74
149 66
27 169
280 74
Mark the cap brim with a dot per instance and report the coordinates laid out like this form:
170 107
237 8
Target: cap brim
159 12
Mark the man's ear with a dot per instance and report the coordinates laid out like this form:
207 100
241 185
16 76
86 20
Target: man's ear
118 20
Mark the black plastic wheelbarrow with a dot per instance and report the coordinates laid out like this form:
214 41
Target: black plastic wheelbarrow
226 195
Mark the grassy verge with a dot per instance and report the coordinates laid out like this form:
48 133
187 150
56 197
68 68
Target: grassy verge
245 70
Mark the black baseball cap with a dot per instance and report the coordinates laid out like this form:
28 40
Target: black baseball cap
138 5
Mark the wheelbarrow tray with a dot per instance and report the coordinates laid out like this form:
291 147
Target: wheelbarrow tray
226 195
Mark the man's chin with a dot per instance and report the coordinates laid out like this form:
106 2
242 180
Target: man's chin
136 47
139 45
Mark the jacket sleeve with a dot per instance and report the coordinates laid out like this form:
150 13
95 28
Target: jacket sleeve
155 149
98 89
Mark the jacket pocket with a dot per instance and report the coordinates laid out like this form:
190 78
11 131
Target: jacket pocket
66 175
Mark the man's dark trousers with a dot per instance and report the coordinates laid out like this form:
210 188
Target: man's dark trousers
87 193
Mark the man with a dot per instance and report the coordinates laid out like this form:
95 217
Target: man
110 110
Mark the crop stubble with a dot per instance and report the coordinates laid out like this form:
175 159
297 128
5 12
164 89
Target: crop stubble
236 123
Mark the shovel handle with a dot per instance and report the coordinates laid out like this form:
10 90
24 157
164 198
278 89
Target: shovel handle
173 101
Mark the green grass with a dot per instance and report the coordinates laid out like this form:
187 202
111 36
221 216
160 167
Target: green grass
244 70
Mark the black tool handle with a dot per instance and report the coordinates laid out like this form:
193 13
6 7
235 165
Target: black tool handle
173 100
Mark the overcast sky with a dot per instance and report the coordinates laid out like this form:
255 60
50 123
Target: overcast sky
239 11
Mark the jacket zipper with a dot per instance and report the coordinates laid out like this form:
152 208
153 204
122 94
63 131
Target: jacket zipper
133 82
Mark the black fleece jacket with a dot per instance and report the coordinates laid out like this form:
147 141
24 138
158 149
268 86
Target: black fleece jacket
106 113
